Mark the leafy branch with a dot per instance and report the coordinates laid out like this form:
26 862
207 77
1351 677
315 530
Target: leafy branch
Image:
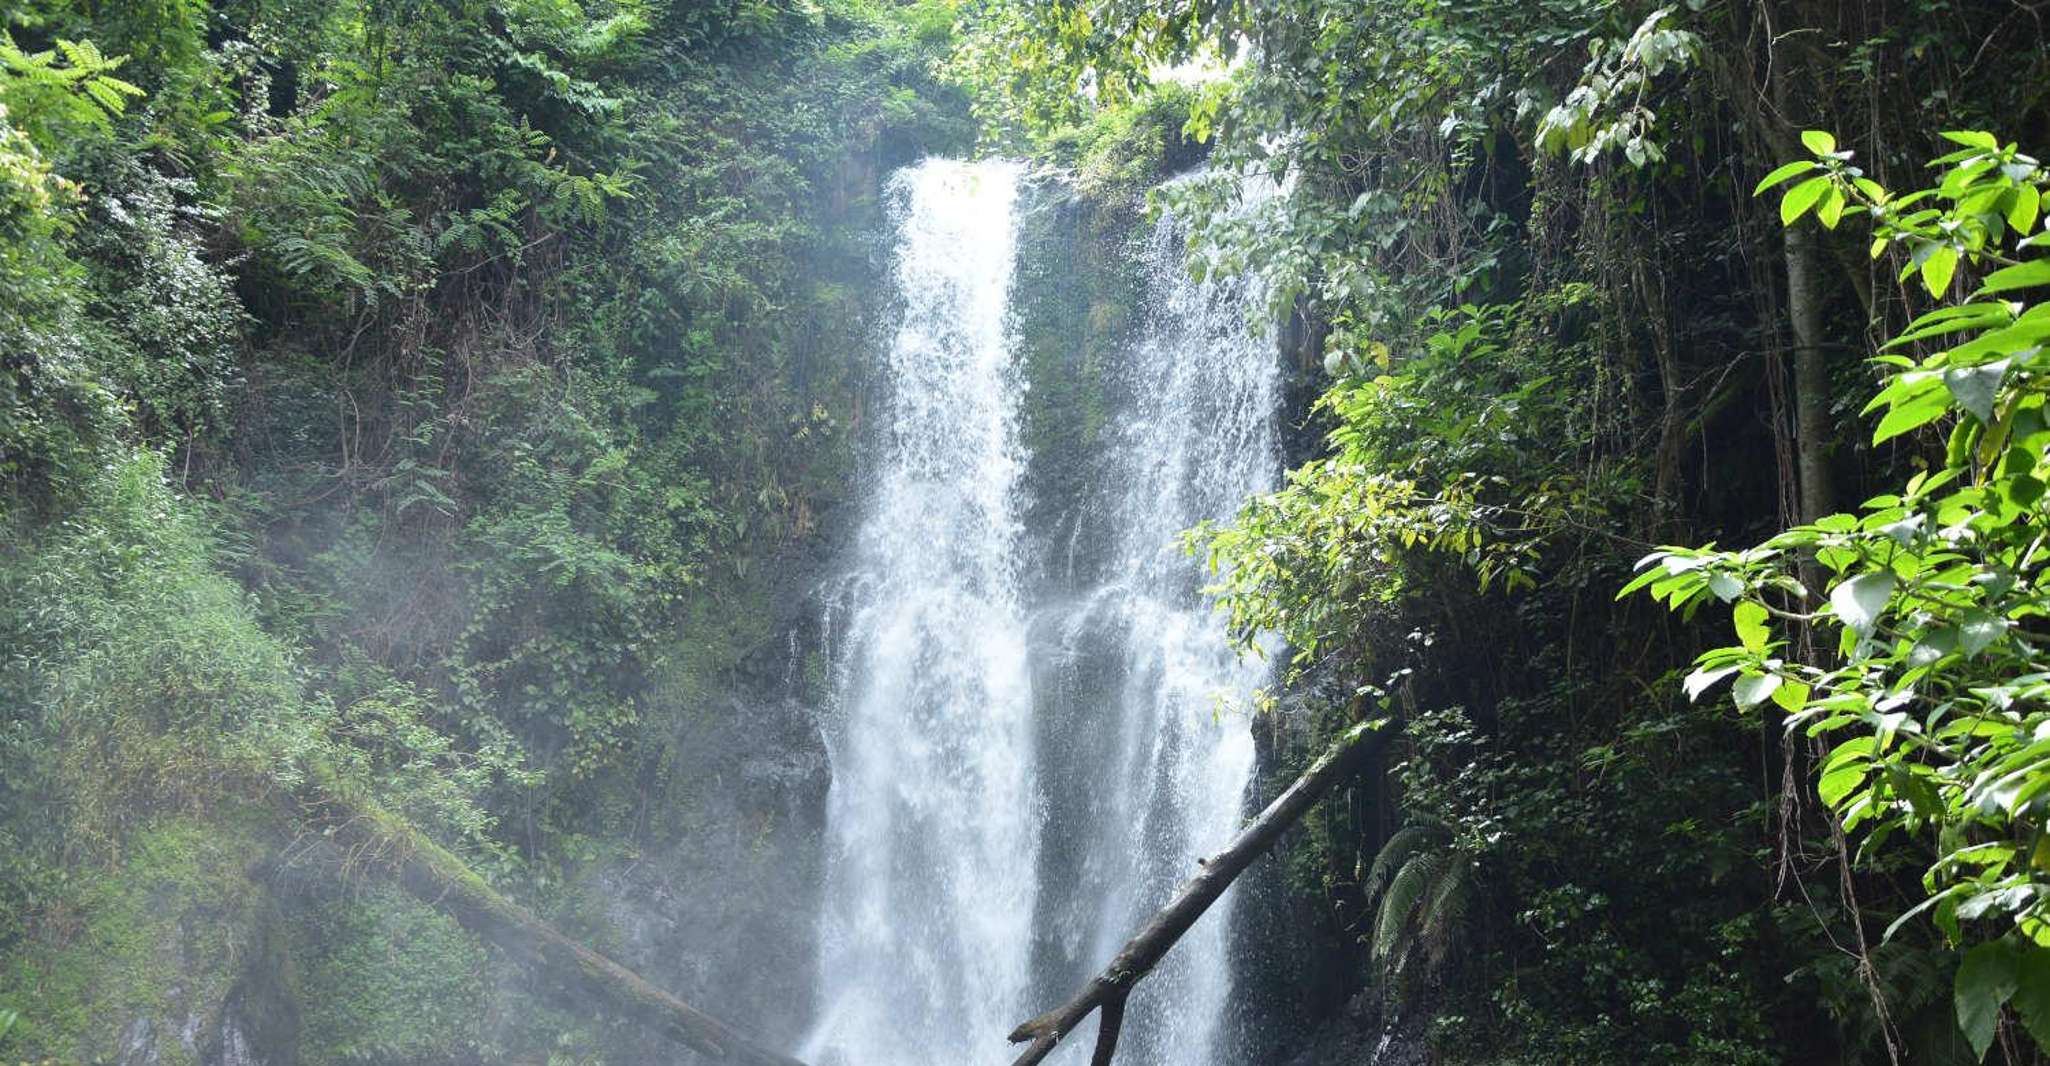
1938 698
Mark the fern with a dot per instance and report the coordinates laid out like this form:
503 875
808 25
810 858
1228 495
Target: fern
1406 842
51 93
1444 913
1425 884
1397 921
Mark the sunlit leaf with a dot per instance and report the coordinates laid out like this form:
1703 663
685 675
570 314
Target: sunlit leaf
1858 602
1802 197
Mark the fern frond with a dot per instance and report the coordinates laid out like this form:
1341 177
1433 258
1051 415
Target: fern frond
1445 910
1405 842
1394 922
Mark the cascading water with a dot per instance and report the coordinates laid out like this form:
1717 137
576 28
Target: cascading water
933 823
1145 689
1027 758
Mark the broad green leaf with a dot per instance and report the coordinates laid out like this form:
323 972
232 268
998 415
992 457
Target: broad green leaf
1859 601
1701 681
1854 750
1975 388
1831 210
1986 979
1953 320
1749 618
1978 631
1800 198
2020 276
1639 582
2022 213
1916 411
1938 269
1838 784
1792 696
1781 174
1904 388
1754 689
2032 991
1821 142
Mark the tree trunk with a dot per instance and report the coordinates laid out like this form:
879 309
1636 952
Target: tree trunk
439 879
1108 990
1811 372
1803 251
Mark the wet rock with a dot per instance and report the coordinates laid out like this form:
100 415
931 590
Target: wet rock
1359 1035
138 1044
722 910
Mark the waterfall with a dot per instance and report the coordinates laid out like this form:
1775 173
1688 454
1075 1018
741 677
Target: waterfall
933 823
1027 757
1146 692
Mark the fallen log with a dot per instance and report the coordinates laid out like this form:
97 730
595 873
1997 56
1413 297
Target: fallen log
430 873
1108 991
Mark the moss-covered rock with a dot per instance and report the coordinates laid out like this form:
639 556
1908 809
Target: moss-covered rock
1124 151
386 978
169 956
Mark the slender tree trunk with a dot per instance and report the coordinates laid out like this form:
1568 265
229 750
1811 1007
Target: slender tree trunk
1805 297
1812 424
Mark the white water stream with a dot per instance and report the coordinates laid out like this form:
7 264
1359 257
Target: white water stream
1027 759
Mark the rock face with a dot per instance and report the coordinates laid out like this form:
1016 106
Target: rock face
1358 1036
1311 994
176 958
723 912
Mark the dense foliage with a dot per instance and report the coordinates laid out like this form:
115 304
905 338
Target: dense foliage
427 400
410 395
1931 702
1520 239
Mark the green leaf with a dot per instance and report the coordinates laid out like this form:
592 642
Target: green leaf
2020 276
1821 142
1800 198
1976 387
1749 618
1954 319
1641 580
2032 994
1701 681
1837 785
1978 631
1781 174
1754 689
1938 269
1973 139
1859 601
1854 750
2028 203
1912 412
1986 980
1903 388
1831 210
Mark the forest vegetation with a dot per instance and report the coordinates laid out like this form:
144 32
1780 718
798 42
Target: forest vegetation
414 412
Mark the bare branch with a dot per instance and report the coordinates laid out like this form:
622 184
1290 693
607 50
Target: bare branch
1108 990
